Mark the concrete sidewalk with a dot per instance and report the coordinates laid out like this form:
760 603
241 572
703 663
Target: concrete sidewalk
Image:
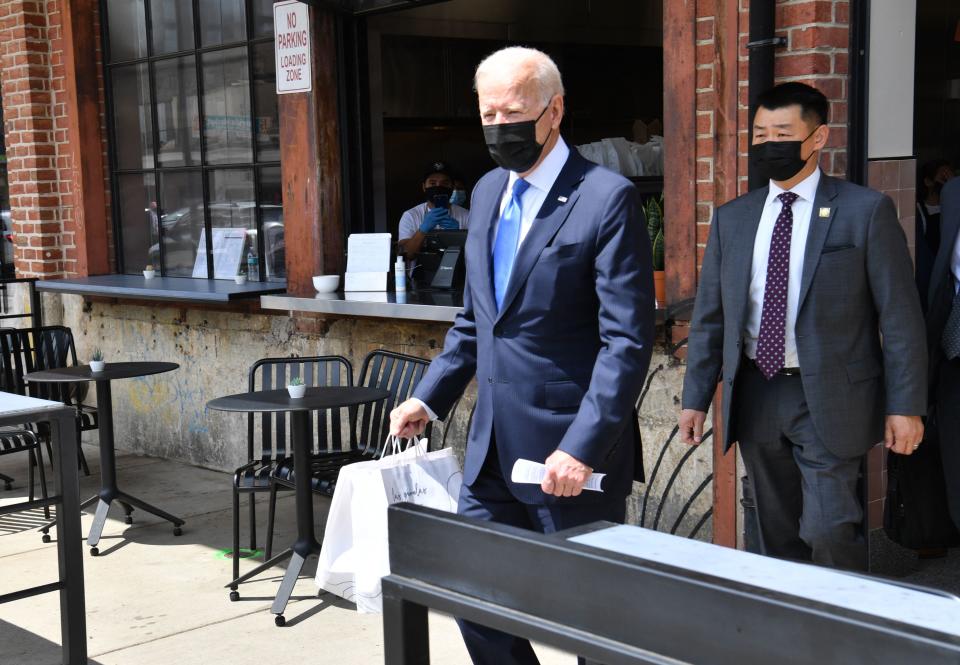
153 598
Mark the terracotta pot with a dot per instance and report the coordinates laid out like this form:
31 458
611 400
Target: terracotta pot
660 288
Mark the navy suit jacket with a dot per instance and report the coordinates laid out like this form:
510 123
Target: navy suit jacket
562 364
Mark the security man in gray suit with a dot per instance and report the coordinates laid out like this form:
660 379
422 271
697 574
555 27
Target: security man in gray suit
808 313
943 337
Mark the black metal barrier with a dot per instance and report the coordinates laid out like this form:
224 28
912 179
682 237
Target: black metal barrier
613 608
73 620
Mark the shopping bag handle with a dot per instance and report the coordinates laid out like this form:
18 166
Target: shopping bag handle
396 446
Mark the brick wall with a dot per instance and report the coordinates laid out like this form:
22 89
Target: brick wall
40 168
817 33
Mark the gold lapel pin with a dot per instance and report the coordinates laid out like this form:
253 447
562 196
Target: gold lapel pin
824 212
562 199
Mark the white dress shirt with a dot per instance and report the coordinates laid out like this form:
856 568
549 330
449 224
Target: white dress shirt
541 182
806 191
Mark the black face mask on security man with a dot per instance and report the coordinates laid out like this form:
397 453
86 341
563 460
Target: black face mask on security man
779 160
513 145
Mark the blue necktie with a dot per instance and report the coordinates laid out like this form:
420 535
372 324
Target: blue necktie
508 238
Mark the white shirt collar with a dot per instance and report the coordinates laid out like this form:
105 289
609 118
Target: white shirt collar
547 173
806 189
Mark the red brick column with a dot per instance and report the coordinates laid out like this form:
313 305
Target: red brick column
31 152
53 110
817 33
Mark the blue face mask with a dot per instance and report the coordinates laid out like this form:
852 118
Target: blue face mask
458 197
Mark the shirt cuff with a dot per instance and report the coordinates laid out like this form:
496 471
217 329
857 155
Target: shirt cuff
426 408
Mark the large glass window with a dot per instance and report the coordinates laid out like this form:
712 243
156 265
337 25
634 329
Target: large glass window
194 137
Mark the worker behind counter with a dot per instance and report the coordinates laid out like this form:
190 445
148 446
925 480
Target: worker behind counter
437 213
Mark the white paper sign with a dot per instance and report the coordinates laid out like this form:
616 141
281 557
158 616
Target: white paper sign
291 33
368 252
228 244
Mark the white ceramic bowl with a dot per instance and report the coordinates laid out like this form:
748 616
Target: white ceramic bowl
149 274
326 283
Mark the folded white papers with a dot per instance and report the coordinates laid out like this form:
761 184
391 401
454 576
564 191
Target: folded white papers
365 281
526 471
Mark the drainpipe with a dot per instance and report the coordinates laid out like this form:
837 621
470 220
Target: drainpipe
762 48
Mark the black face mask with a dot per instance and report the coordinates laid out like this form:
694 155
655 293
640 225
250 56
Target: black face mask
513 145
779 160
439 196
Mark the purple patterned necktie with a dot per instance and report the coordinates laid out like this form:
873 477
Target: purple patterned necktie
771 342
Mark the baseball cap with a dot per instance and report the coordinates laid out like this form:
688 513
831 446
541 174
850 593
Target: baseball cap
438 167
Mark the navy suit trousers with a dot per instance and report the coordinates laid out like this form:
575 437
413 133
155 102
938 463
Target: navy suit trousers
489 499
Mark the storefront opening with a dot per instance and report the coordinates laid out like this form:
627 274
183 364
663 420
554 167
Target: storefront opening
421 107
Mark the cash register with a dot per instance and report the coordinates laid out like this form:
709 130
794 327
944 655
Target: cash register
441 261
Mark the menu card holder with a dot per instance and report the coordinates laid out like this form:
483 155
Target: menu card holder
368 262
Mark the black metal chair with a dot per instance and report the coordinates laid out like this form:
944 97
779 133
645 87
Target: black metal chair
25 350
397 373
269 447
19 441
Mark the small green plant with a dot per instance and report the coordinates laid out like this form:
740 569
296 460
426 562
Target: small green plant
97 355
653 210
296 381
149 266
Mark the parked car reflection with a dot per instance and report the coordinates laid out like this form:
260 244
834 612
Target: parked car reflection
182 229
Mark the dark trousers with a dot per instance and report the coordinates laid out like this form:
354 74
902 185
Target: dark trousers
490 499
808 506
948 421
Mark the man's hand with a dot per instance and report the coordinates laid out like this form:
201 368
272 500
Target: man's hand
566 475
903 434
408 419
433 217
691 426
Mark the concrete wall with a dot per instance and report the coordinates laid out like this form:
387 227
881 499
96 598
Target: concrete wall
165 415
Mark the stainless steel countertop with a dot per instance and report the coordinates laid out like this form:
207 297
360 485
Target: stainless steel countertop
177 289
441 306
423 305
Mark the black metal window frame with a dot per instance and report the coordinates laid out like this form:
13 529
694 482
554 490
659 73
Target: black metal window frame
250 43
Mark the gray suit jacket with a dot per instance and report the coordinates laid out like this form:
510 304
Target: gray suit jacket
857 287
940 297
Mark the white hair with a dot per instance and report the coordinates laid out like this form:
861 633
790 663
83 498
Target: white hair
537 65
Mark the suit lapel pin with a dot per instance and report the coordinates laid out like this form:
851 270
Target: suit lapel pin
562 199
824 212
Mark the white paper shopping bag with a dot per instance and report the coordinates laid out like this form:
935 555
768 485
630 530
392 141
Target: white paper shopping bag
354 555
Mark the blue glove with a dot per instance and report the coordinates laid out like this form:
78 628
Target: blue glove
433 217
448 223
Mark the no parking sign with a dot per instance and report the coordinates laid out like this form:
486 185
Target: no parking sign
291 32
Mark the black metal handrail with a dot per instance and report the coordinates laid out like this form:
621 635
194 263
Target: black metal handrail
36 308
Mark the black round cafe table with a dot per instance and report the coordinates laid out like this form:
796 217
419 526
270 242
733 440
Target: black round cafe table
315 399
109 491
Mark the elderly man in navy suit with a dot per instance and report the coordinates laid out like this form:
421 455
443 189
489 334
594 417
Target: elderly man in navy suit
557 325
